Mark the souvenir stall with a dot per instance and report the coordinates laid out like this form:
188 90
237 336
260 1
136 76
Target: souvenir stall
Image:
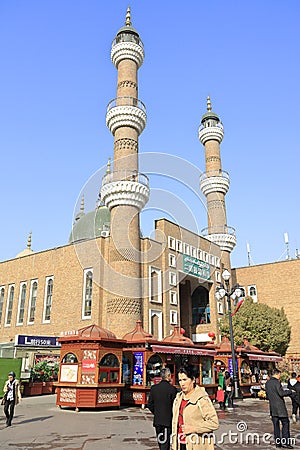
90 369
144 358
253 366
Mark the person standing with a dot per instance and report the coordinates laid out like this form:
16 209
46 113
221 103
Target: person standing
12 397
294 385
278 411
194 415
160 403
228 383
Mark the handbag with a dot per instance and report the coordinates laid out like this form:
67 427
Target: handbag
3 400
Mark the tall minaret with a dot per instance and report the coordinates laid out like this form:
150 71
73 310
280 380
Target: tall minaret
214 184
124 190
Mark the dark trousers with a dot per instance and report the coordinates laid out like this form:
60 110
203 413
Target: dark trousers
295 406
283 437
229 397
9 408
163 436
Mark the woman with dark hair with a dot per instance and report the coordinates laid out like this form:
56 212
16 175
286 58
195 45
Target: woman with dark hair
228 382
194 416
12 397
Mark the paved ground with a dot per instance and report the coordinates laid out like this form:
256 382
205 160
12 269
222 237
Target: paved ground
40 425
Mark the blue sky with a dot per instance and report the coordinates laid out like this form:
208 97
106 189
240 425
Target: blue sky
56 79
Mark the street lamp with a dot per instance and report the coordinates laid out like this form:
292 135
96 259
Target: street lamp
234 293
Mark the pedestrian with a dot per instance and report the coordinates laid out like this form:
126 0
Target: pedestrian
160 403
12 397
220 397
294 385
194 416
228 382
278 411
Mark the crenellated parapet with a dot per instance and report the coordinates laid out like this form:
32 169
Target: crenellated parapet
128 49
223 236
211 133
126 112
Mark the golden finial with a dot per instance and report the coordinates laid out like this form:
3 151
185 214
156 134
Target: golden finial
82 204
29 240
108 166
208 103
128 18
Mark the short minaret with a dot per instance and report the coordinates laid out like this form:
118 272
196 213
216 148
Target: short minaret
124 190
214 184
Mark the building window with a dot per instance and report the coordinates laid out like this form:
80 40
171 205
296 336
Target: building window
193 252
155 321
212 260
172 260
172 243
11 294
200 306
87 294
218 276
173 297
199 254
217 262
186 249
21 309
172 279
178 246
32 305
173 317
155 291
252 292
243 292
48 299
2 292
109 371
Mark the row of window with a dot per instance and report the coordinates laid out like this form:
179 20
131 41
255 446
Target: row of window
6 313
187 249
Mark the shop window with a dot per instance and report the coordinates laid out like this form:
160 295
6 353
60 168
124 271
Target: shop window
245 373
87 294
200 306
2 292
109 369
126 372
21 309
207 371
48 299
32 305
69 369
153 369
69 358
11 294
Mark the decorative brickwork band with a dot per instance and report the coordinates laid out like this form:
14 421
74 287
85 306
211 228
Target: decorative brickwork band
213 204
210 159
127 83
123 254
130 306
126 144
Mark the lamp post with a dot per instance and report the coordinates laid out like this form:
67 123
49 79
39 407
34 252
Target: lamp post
234 293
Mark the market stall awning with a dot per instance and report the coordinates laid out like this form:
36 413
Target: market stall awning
182 350
271 358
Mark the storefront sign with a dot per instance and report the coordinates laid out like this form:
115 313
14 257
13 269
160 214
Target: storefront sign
36 341
88 365
196 267
138 368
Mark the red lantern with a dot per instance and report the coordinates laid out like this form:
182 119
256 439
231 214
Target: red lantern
211 335
182 330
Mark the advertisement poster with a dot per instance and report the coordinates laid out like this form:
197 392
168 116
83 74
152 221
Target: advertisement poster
88 365
138 368
230 366
68 373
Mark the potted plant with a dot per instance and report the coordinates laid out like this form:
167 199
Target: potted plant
43 374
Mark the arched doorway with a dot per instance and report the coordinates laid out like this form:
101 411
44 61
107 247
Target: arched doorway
200 306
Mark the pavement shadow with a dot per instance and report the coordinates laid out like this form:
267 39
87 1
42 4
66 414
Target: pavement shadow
35 419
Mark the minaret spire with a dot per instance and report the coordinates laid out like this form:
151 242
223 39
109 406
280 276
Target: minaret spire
208 103
128 17
29 240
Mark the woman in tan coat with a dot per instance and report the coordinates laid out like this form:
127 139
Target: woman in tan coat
194 416
12 397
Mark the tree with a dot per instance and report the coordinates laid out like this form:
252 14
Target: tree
265 327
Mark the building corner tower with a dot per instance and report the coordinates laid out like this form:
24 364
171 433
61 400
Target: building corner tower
214 183
124 190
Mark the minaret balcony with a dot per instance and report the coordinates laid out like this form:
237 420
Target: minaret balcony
208 133
126 112
223 236
125 187
127 46
214 181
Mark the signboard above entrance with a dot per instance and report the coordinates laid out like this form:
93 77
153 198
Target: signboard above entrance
36 341
196 267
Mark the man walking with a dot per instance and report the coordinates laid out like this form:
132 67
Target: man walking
278 411
294 385
12 396
160 404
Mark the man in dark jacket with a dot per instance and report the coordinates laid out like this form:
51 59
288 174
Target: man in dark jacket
278 411
160 404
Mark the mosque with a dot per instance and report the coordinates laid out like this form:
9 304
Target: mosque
109 274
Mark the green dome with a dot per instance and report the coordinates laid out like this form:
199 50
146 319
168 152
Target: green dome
90 225
210 115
